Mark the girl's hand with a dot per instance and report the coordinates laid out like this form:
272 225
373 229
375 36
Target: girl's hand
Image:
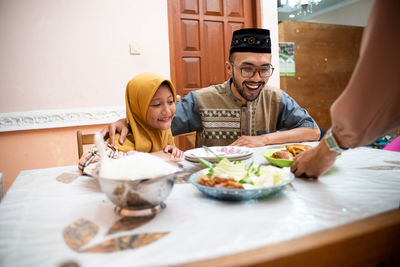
174 153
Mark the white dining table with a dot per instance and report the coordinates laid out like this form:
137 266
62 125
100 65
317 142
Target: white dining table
55 216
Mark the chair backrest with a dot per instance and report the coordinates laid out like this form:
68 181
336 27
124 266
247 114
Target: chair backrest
83 139
190 139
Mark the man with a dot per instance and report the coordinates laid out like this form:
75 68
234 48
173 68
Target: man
243 111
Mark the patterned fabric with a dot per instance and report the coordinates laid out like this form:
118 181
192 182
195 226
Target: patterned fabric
93 156
251 40
219 118
221 123
224 119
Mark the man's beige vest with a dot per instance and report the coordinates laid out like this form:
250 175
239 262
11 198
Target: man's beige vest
224 119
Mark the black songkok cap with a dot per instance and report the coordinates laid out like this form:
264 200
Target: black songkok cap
251 40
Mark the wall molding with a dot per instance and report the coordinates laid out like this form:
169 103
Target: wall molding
42 119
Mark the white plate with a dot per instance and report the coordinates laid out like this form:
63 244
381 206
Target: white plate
195 160
229 152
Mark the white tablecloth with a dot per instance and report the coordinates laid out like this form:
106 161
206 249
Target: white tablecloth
37 208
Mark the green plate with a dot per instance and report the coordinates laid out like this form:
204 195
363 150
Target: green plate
278 162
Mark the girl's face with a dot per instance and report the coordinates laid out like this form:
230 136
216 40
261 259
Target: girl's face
161 109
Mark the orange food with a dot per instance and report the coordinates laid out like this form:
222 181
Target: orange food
297 148
282 154
290 152
218 182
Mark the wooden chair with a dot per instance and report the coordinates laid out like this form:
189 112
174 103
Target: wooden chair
185 141
83 139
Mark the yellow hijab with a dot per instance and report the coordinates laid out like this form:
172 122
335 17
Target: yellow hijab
142 137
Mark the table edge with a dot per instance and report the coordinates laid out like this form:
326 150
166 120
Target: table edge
359 243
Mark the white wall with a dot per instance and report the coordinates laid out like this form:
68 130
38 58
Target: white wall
269 14
67 62
58 54
355 14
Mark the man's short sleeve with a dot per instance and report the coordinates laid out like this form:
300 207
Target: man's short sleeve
291 115
187 116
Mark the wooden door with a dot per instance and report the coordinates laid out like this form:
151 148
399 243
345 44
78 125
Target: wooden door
200 33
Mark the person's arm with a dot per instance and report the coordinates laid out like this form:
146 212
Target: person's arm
369 106
301 134
187 116
292 116
294 125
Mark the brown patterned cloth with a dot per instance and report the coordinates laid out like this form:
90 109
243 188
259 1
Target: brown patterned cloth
129 223
93 156
67 177
392 162
79 233
125 242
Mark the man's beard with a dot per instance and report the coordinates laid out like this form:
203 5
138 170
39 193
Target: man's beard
240 89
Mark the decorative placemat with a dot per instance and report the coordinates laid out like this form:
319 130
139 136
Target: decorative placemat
129 223
67 177
125 242
392 162
78 234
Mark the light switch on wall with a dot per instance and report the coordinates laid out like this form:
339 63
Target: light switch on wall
134 49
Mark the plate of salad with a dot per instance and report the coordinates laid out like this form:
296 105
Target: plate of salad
236 180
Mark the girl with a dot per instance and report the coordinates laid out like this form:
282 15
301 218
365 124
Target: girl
150 108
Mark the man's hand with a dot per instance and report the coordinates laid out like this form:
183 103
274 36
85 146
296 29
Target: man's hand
313 162
120 127
250 141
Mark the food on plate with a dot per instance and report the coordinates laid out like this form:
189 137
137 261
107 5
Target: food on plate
220 182
231 175
282 154
297 148
290 152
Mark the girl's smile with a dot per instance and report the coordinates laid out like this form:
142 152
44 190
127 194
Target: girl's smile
162 109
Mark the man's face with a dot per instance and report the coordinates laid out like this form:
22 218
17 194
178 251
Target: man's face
248 88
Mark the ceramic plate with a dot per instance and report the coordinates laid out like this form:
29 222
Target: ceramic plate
229 152
238 194
196 160
277 162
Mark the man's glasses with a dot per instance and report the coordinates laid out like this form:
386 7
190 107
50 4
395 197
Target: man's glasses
248 72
